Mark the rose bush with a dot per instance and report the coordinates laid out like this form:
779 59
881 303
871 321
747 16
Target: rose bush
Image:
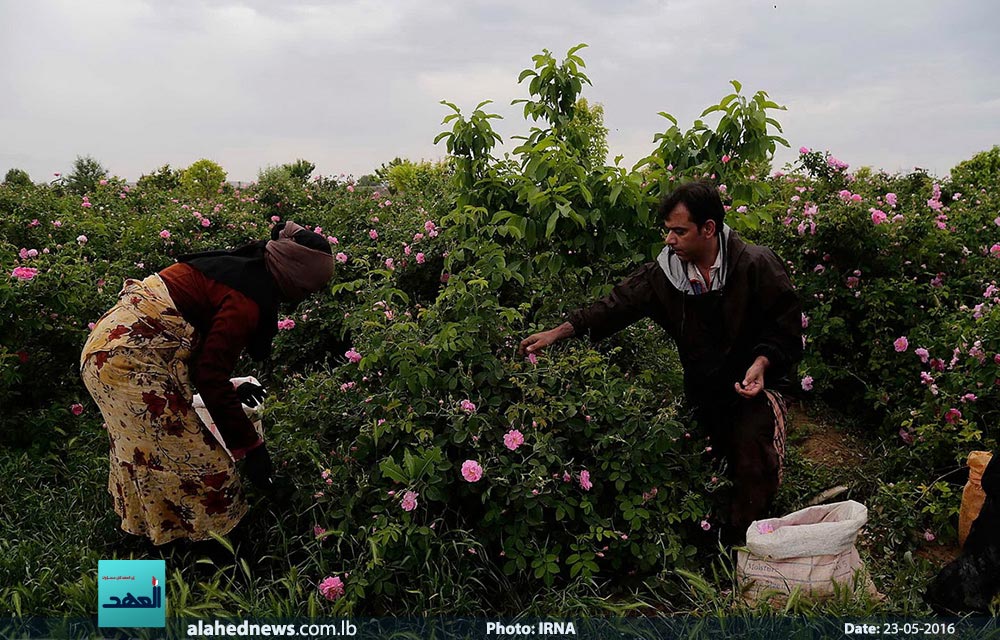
421 444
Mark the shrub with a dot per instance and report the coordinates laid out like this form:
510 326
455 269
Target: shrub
203 179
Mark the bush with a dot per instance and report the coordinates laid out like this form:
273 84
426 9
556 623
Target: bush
981 171
383 387
203 179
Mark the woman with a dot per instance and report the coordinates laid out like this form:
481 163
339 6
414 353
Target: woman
180 330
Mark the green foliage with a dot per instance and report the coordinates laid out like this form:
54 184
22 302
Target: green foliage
17 178
587 128
735 153
87 173
300 170
163 179
406 176
203 179
407 368
981 171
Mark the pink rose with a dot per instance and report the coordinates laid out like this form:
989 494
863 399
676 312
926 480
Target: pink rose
807 383
332 588
513 439
901 344
341 257
585 482
471 471
353 356
24 273
409 502
77 409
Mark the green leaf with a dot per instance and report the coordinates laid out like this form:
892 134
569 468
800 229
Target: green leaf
615 192
392 470
550 227
668 117
736 85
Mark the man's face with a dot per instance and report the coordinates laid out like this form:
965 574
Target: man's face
690 243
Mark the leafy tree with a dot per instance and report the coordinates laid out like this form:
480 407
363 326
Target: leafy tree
165 178
17 178
406 176
589 134
735 151
369 180
87 172
300 170
203 178
981 171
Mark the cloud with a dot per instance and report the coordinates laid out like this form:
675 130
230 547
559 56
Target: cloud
352 84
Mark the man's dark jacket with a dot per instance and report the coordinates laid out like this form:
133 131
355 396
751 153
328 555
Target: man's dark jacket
718 333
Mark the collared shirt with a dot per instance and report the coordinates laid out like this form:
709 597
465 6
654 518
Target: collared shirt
697 280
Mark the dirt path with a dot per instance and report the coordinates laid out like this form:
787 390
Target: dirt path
822 442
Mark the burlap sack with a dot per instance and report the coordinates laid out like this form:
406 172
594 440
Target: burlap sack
252 412
973 495
810 550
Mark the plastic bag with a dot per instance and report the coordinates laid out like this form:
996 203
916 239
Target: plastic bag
973 495
251 412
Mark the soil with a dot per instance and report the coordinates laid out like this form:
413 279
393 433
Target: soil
824 443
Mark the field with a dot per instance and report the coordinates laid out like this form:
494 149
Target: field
381 387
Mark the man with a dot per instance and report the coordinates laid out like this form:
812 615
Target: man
736 319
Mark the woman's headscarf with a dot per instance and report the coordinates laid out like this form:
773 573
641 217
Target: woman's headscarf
298 263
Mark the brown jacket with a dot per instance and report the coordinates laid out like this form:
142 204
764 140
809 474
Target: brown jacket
718 333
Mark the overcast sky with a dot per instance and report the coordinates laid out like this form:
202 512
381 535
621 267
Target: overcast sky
349 85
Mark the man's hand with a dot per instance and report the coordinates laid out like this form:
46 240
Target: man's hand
258 468
538 341
753 381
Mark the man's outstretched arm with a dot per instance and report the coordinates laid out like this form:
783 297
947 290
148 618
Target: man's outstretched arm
629 301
